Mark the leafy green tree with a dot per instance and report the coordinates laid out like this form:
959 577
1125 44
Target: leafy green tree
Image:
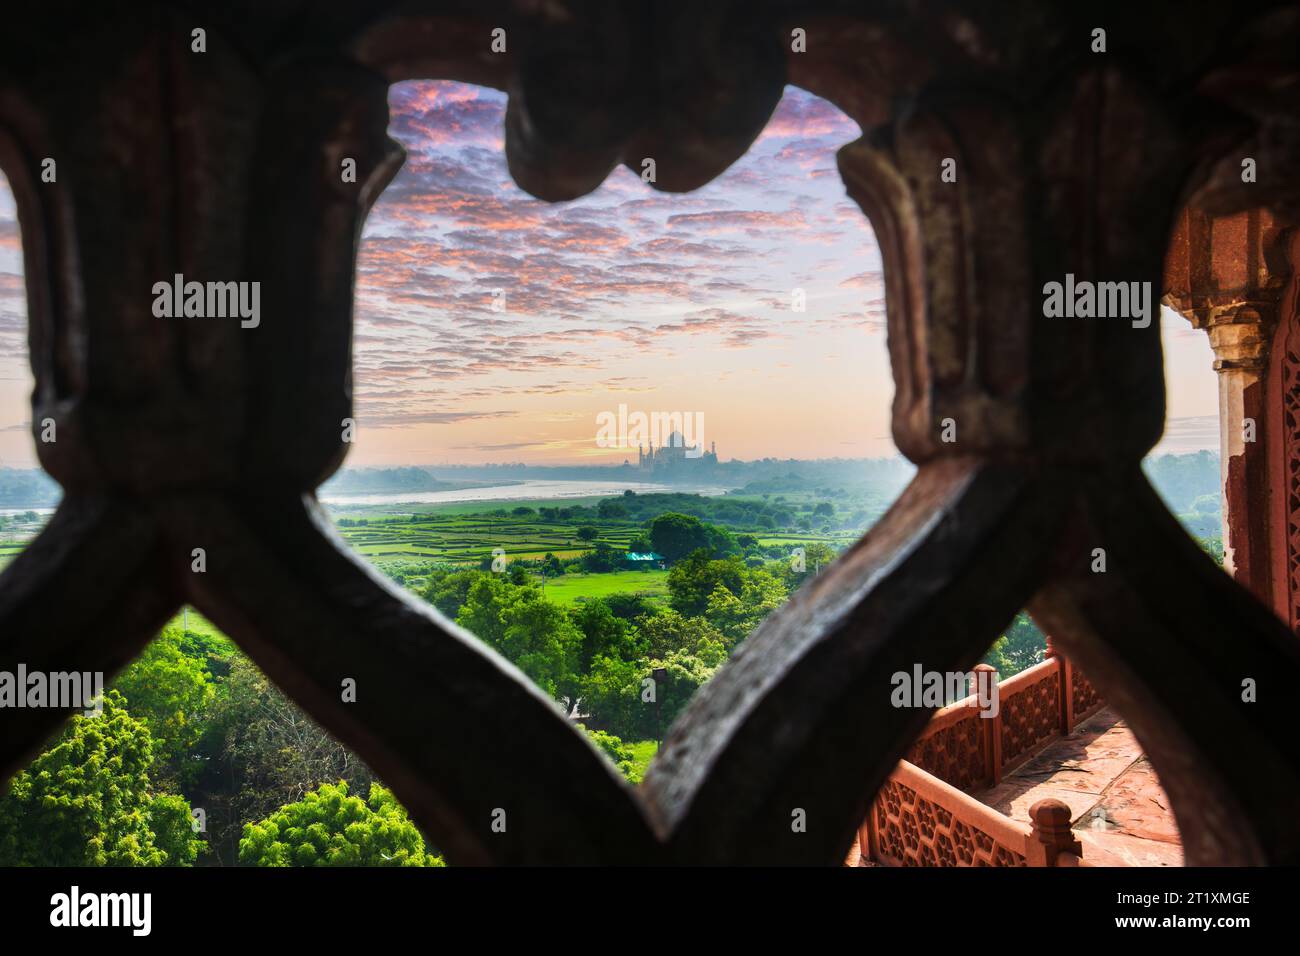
1181 479
611 696
603 634
667 632
588 532
267 752
447 590
628 607
692 581
676 535
736 615
1213 546
1022 646
88 801
330 828
172 822
614 693
534 634
602 559
817 554
171 690
619 753
611 510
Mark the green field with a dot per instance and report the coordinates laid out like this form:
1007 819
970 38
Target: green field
467 532
380 512
643 752
465 539
571 589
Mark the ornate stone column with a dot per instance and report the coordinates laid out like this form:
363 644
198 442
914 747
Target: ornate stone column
1282 395
1226 274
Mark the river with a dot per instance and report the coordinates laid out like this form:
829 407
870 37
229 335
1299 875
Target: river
525 489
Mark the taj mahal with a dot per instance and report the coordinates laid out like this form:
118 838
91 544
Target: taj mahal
676 456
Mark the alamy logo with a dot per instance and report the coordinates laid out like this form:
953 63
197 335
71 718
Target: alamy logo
624 429
934 689
1098 300
209 300
103 909
61 689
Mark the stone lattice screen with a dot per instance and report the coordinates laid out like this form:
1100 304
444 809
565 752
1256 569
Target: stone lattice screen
970 751
181 435
1086 697
1030 711
955 748
912 825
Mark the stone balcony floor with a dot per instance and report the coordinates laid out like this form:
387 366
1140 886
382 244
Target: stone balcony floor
1120 813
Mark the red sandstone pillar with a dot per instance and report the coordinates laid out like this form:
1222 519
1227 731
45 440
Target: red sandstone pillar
992 733
1051 835
1283 436
1065 682
1228 275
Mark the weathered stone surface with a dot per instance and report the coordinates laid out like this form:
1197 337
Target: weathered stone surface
1068 161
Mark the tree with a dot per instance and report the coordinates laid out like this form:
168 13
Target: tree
1022 646
588 532
676 535
272 752
171 691
693 580
666 632
816 555
627 606
447 591
330 828
602 634
619 753
602 559
615 693
88 801
172 822
611 509
640 544
531 632
736 615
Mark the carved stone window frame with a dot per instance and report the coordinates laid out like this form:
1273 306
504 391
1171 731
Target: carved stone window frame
206 435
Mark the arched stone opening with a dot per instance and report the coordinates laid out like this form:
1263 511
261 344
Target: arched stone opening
1056 415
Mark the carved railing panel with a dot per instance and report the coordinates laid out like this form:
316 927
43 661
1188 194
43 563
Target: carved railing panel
954 748
1086 697
918 821
1030 710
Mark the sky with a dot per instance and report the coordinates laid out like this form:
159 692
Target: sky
494 327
